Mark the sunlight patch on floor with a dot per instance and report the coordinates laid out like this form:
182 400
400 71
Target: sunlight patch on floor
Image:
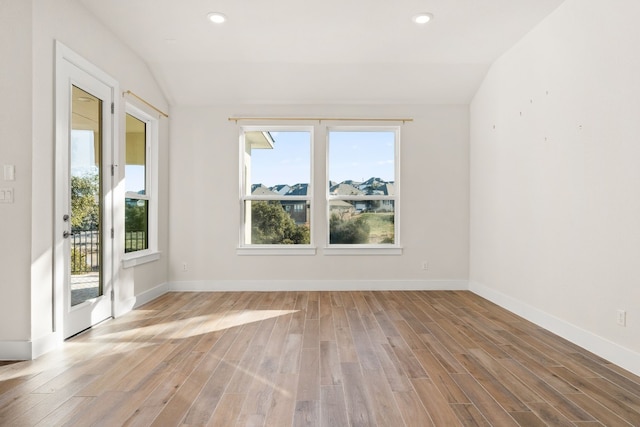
200 325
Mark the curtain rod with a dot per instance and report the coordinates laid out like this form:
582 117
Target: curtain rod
320 119
128 92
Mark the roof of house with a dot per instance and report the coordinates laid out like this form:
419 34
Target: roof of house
345 190
281 188
298 190
340 204
371 181
389 189
263 191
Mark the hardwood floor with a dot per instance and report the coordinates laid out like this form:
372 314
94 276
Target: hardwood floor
318 359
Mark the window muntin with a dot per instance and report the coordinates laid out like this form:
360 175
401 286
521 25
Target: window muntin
140 204
362 190
276 186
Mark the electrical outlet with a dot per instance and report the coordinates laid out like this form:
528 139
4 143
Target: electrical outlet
425 266
621 318
185 267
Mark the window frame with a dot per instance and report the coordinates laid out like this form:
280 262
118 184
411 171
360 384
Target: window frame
245 248
394 248
131 259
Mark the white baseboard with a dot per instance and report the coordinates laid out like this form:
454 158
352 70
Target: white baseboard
15 350
150 295
615 353
317 285
124 306
28 350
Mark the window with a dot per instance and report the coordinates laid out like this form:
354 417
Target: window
363 187
362 196
276 187
140 186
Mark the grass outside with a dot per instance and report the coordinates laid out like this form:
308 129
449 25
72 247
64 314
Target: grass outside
381 226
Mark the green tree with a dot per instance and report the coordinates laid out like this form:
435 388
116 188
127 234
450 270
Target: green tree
85 209
352 231
135 213
270 224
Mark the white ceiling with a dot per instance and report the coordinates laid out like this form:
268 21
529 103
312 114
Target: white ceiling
322 52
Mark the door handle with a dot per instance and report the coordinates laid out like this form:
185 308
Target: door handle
65 218
66 234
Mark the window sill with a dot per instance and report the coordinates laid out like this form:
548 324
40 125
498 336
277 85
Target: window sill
364 251
276 250
134 258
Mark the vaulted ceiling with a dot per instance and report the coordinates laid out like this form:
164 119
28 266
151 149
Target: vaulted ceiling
322 52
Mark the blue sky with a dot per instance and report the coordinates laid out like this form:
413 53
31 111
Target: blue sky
361 155
352 155
134 178
287 163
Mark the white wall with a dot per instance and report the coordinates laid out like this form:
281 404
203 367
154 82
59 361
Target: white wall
15 149
204 210
27 38
555 177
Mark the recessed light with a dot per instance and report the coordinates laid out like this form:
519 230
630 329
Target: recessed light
216 17
422 18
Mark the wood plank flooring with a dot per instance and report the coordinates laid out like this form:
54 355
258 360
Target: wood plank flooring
318 359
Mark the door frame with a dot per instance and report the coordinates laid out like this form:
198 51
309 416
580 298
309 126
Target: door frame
65 57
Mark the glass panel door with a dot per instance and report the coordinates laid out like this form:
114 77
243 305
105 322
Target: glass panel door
85 189
84 229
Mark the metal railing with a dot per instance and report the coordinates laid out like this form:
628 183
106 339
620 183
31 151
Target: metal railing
85 250
135 241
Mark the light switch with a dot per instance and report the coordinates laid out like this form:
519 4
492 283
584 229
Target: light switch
9 172
6 195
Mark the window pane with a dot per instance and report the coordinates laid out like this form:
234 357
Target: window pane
362 222
281 222
136 153
361 162
136 225
277 163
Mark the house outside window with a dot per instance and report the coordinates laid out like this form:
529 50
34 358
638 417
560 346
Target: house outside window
362 194
276 174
